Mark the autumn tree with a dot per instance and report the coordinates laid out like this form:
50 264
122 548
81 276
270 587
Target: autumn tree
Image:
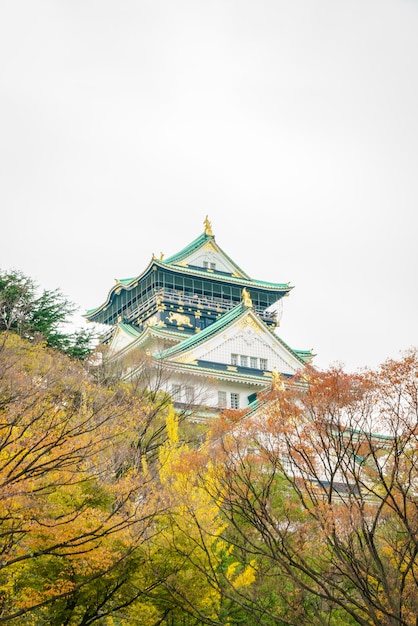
322 483
150 378
200 576
73 513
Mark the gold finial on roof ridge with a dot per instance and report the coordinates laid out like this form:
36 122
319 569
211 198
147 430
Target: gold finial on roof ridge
208 227
246 298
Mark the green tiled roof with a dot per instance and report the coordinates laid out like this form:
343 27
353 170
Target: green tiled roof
232 279
129 330
305 355
203 273
194 245
126 281
170 264
254 379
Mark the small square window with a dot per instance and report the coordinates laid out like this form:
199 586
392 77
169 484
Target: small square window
222 399
212 266
205 264
263 364
254 362
234 359
234 400
244 361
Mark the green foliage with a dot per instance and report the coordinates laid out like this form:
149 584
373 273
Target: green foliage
40 317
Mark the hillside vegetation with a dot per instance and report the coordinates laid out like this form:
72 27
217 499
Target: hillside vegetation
304 513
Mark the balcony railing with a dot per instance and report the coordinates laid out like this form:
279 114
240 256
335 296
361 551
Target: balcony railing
221 305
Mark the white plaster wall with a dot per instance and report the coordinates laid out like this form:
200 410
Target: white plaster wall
120 341
200 256
249 343
206 390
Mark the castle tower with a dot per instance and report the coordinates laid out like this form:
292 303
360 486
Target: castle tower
210 324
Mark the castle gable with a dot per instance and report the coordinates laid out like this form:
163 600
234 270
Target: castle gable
123 336
211 257
243 343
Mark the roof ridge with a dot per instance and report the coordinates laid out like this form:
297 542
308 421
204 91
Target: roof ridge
193 245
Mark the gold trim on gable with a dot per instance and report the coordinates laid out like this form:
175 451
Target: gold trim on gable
248 322
189 359
209 245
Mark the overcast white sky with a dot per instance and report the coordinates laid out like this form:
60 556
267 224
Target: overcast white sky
293 124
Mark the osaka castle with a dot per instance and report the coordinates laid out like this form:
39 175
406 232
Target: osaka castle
200 319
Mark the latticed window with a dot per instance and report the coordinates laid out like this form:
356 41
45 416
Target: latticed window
263 364
234 359
253 362
222 399
189 394
176 392
244 360
234 400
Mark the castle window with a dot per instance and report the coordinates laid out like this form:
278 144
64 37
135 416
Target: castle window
189 394
253 362
234 400
176 392
263 364
212 266
244 361
222 399
234 359
205 264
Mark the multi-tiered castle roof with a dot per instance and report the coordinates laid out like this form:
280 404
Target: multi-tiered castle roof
202 315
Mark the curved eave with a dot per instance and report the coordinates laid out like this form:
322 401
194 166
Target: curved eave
257 380
197 243
295 353
124 283
229 278
305 355
148 332
128 284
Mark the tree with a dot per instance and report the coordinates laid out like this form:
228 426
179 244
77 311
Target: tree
72 516
40 317
323 484
199 575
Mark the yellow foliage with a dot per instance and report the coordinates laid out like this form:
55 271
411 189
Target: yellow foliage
67 516
247 576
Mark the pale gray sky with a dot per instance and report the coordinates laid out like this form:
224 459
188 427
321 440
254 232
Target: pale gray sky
293 124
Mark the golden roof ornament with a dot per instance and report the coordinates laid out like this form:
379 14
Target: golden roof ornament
276 380
208 227
161 256
246 298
